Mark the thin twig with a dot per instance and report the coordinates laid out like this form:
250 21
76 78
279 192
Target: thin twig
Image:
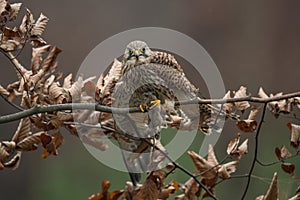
255 150
276 162
11 103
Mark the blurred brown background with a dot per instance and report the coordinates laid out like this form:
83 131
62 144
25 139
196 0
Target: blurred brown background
254 43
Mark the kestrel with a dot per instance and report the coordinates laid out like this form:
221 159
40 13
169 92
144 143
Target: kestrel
153 81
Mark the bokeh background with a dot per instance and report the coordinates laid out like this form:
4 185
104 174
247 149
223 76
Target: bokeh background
254 43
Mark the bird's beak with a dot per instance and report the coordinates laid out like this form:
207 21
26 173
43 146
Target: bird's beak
136 54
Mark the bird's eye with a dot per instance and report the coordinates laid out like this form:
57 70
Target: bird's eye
143 49
131 52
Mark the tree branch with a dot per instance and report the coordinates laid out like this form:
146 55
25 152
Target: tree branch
98 107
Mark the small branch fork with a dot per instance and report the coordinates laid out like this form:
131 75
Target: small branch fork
97 107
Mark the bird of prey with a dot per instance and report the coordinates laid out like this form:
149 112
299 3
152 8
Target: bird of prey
153 81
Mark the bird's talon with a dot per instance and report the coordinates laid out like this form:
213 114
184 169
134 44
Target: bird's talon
154 103
142 108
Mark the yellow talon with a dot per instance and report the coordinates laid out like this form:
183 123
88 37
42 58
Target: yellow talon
141 108
154 103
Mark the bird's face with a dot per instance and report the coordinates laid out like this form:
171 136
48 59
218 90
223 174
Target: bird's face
137 52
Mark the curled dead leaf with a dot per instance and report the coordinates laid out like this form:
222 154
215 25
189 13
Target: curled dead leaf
288 168
29 143
152 186
105 194
228 107
282 153
295 134
36 57
233 144
40 25
228 168
243 105
14 162
22 131
247 125
237 151
206 169
3 91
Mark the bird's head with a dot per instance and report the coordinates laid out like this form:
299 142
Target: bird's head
136 53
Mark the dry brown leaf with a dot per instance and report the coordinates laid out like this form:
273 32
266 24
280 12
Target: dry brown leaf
105 195
89 88
9 45
228 168
14 11
262 94
29 143
4 6
191 189
3 91
14 162
48 83
228 107
206 169
243 105
277 107
237 151
211 157
247 125
298 190
68 81
242 149
254 112
296 197
3 153
170 166
55 90
105 85
288 168
233 144
27 22
59 118
22 131
152 186
36 58
296 101
40 25
49 145
272 193
49 62
250 124
9 146
169 189
75 90
295 141
282 153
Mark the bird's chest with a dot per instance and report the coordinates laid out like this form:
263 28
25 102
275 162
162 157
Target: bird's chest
141 85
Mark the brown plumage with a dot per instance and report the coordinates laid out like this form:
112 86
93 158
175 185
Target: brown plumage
144 76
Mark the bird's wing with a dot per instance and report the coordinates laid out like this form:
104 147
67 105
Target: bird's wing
164 58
